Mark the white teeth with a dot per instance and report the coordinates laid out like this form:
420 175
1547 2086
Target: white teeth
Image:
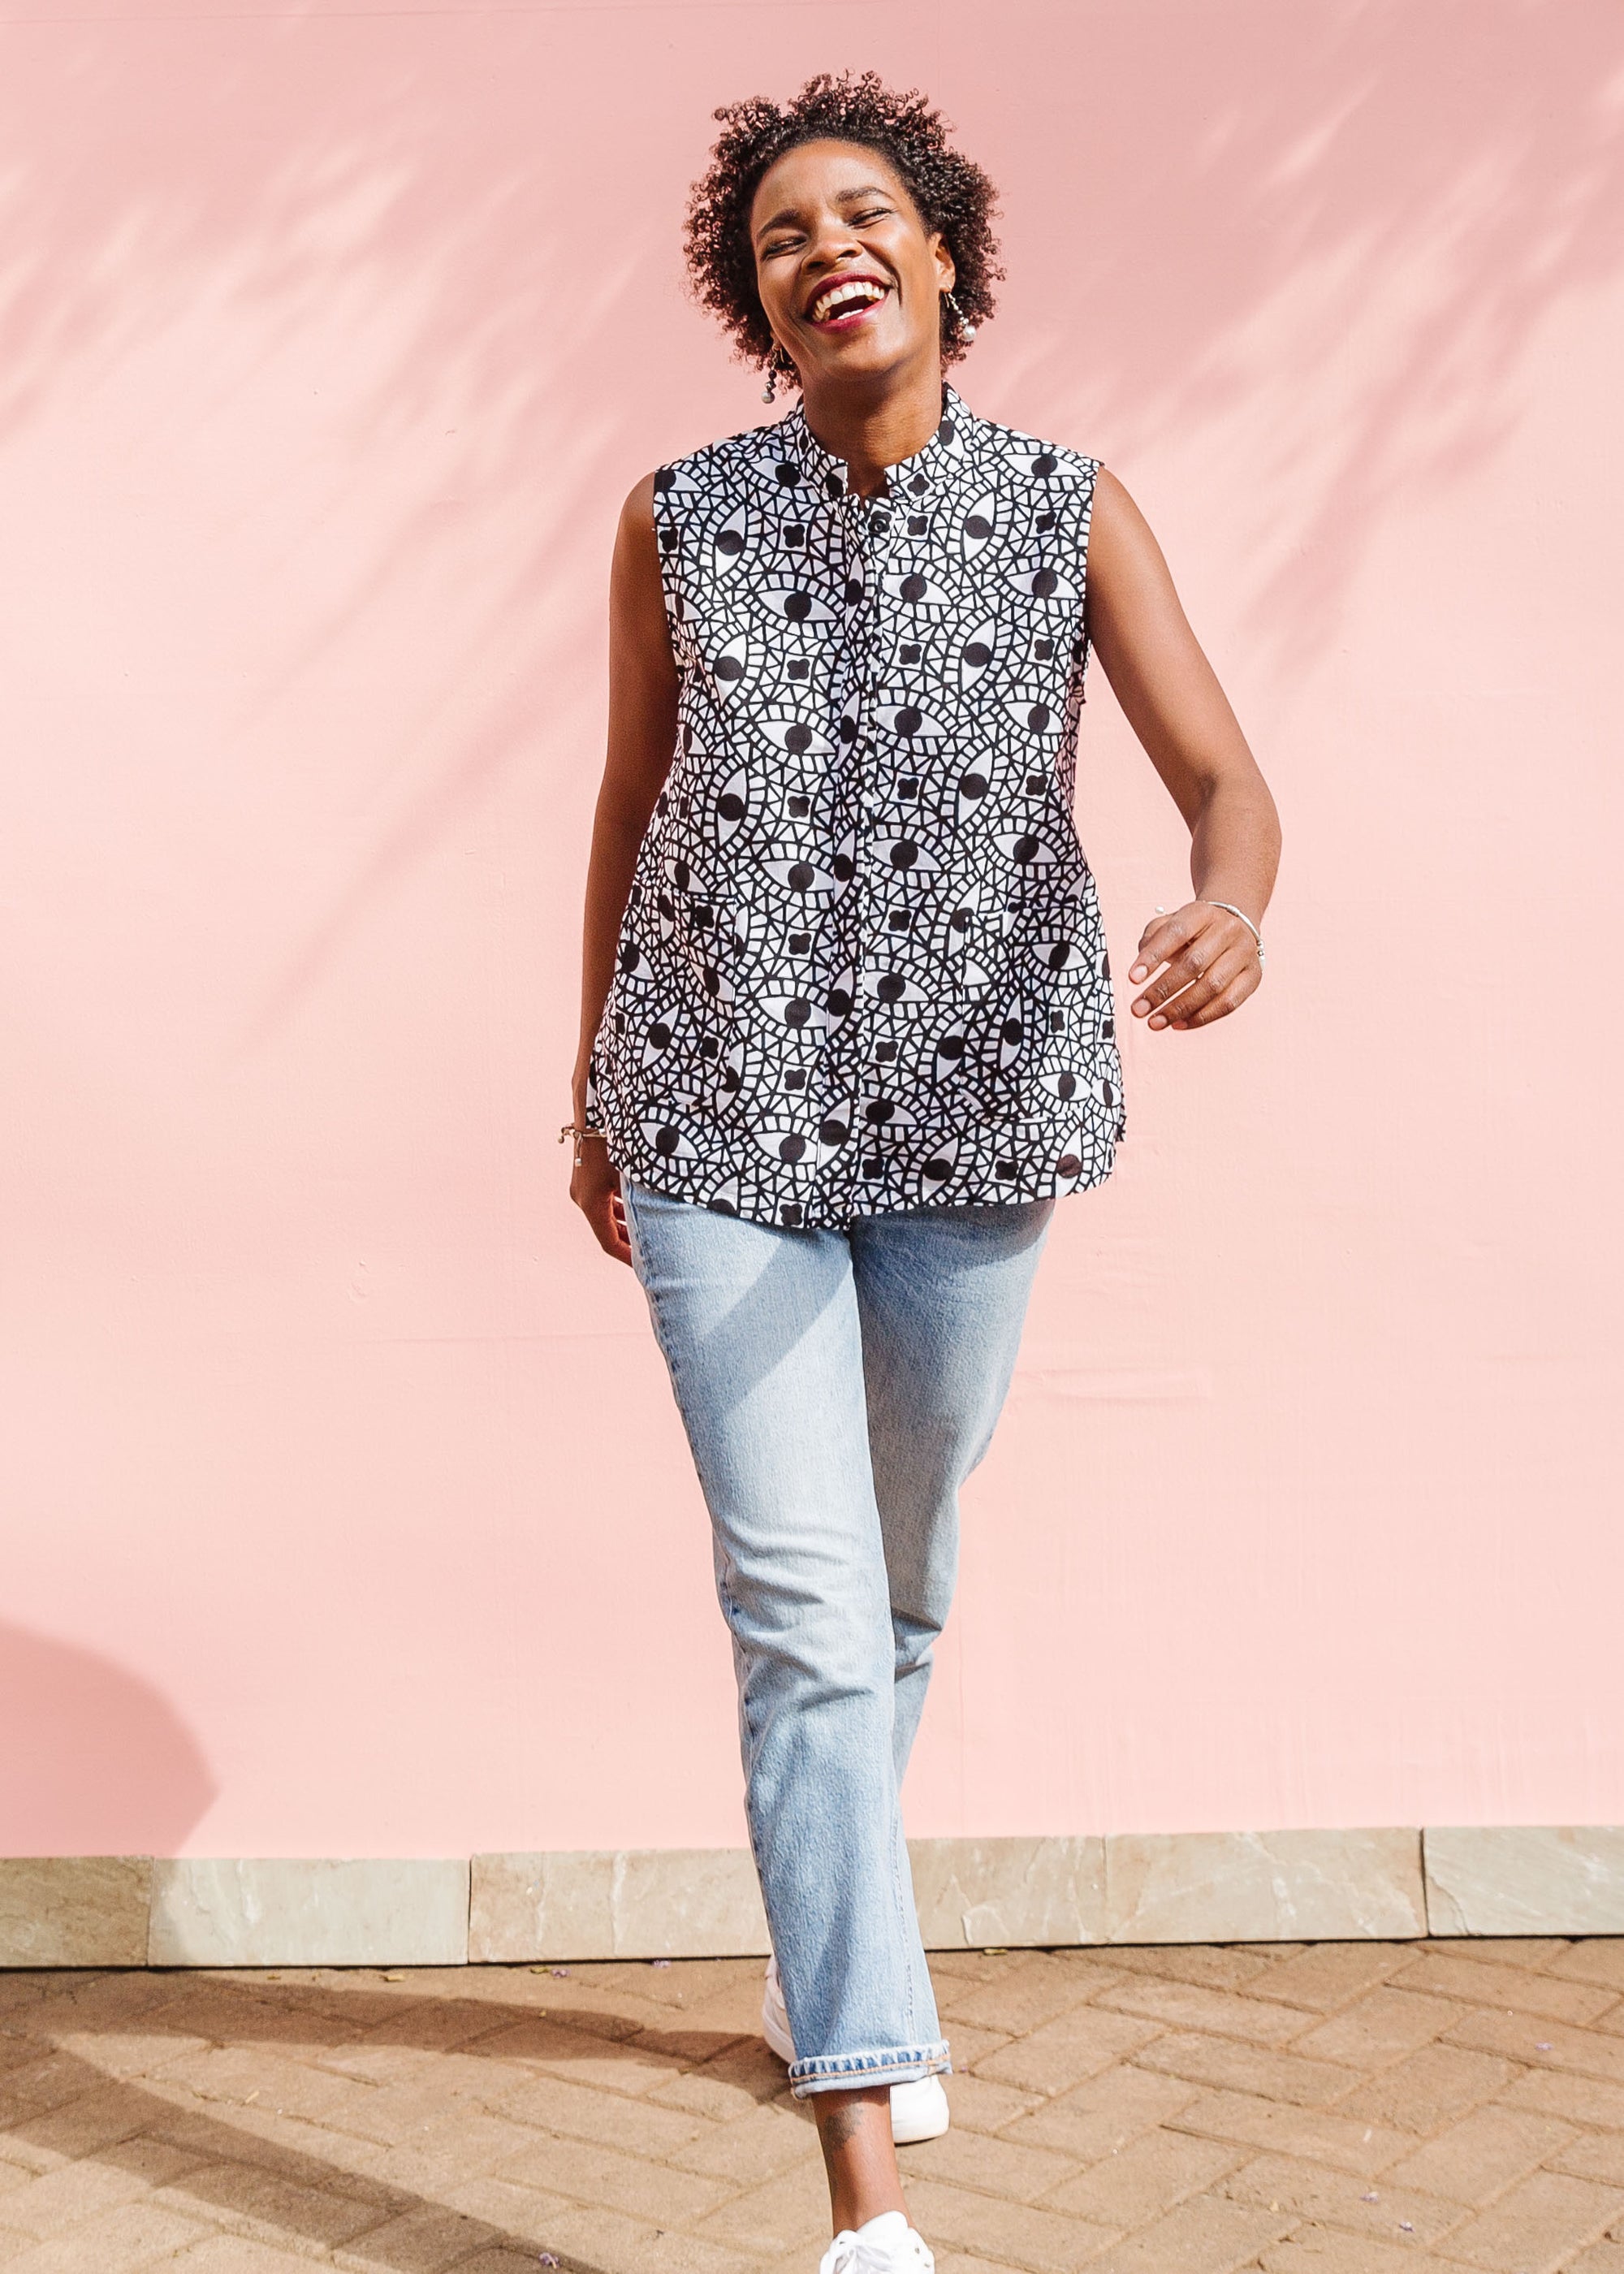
839 297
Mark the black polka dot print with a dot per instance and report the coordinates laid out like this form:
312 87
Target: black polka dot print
861 967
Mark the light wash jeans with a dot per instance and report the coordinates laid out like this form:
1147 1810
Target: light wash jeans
838 1387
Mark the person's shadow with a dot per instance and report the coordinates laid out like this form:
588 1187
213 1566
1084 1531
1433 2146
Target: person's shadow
221 2156
93 1759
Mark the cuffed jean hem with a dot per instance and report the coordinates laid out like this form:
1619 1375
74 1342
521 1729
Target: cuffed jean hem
858 2072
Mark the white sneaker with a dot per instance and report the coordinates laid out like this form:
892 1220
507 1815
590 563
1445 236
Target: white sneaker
886 2245
919 2109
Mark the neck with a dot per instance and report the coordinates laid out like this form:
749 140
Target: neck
876 424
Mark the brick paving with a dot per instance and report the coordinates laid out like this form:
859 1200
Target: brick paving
1409 2108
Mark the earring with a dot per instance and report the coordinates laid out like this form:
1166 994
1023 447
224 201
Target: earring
967 328
777 367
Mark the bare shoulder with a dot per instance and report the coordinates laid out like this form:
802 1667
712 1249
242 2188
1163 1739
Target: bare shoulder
1114 516
636 548
1124 560
636 587
638 513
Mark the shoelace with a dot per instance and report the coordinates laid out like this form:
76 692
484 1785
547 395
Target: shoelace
849 2254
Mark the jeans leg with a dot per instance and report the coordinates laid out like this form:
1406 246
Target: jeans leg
760 1331
942 1294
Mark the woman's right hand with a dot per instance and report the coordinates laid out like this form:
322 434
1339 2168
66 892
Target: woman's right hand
595 1188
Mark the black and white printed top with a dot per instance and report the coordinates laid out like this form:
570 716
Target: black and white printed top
861 967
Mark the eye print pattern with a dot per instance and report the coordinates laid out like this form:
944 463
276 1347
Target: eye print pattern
861 967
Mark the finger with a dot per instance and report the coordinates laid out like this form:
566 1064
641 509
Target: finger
1208 937
595 1188
1226 964
1187 967
607 1219
1160 940
1229 998
1152 923
1196 922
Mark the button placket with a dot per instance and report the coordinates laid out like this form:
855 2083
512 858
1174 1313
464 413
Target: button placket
845 1052
880 524
875 529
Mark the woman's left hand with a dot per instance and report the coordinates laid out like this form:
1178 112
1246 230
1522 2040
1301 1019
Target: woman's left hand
1212 965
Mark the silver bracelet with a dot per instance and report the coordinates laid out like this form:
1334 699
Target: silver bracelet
1231 909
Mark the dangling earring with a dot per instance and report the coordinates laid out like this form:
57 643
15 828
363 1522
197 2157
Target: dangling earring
967 328
771 388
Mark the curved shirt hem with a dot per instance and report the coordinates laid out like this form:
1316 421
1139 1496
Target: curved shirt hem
644 1171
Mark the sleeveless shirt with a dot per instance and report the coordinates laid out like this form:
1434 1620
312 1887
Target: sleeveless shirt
861 967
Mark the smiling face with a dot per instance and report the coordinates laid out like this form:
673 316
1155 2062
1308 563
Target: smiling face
850 278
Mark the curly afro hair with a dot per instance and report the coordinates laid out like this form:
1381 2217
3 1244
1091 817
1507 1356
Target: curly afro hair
953 195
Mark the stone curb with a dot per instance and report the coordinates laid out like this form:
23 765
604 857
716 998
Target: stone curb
1044 1893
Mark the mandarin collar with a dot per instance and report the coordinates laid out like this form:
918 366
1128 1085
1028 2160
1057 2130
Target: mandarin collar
915 476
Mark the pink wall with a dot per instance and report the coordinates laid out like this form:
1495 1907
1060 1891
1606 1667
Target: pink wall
345 1510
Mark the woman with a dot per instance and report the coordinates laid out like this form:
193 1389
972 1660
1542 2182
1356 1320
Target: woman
847 1019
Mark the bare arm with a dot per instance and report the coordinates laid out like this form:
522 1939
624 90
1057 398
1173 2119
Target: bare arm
1174 703
643 727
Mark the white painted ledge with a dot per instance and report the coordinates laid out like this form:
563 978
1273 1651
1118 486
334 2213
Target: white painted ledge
1048 1893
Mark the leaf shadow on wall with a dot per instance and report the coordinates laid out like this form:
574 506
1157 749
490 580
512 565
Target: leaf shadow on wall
88 1743
1364 209
1348 219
